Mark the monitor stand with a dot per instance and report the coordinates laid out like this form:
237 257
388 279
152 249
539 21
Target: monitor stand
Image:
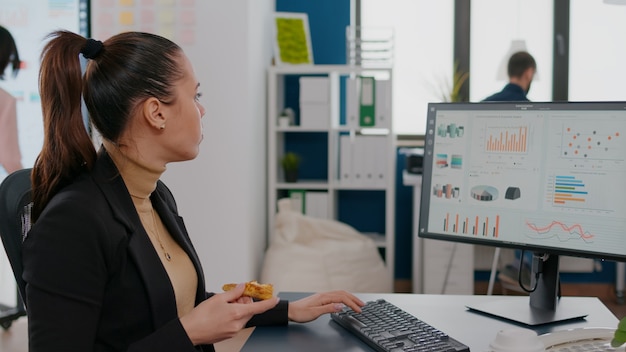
546 305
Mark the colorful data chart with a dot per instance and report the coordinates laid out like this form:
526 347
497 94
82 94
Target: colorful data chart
568 190
592 141
506 139
559 230
451 130
441 160
448 191
472 225
456 161
484 193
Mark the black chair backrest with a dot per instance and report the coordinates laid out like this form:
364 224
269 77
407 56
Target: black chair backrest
15 221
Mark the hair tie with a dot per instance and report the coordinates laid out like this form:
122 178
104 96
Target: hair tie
91 49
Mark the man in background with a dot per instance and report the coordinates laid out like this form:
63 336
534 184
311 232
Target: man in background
521 70
10 156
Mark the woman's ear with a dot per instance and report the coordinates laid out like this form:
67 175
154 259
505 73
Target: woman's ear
152 113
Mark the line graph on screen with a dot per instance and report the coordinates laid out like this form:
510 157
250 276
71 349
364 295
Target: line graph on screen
559 230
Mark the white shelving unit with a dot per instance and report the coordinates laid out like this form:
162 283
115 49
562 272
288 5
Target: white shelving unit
332 184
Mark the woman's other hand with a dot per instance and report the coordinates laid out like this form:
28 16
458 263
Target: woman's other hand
222 316
311 307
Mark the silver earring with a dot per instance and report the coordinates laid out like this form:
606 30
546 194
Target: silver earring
162 127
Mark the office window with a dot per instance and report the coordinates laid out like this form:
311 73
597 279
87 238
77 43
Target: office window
494 26
423 54
597 51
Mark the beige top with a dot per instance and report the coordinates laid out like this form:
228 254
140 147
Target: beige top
141 181
10 157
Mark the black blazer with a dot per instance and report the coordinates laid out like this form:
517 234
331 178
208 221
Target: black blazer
94 279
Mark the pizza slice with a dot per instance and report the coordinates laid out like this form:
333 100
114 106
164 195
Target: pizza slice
254 289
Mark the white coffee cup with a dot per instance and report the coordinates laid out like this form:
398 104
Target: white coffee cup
516 340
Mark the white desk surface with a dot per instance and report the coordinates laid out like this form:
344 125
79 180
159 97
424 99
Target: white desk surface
445 312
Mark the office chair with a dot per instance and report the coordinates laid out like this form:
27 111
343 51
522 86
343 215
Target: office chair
15 207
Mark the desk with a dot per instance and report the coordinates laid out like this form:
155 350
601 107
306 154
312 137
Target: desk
445 312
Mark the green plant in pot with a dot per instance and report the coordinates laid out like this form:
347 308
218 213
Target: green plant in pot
452 91
290 163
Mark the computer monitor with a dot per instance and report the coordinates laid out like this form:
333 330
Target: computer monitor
542 177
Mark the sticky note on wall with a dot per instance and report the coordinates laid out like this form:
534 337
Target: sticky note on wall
126 18
166 17
188 17
147 17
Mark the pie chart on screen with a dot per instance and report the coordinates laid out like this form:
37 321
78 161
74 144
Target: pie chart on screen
484 193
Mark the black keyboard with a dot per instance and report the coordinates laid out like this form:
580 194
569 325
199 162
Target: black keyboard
385 327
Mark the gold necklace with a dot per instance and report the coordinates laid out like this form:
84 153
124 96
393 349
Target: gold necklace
156 231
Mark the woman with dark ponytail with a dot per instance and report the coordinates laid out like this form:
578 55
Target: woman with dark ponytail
108 263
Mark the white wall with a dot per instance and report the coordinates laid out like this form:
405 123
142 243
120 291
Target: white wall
221 194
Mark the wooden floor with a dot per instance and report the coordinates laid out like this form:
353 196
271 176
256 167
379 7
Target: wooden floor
15 339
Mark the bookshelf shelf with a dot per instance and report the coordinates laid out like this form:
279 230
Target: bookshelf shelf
343 146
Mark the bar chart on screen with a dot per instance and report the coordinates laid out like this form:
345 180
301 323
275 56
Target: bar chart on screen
583 192
486 226
506 139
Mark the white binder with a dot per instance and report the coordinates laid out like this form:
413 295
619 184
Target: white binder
383 104
345 159
359 165
381 153
352 103
314 102
317 205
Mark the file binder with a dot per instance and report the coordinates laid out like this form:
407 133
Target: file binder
314 102
352 103
345 159
383 104
359 160
381 154
367 108
298 200
317 205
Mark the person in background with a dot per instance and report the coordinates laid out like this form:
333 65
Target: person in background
10 156
521 70
108 263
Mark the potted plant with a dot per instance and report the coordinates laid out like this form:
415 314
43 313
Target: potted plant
283 120
290 163
450 92
286 118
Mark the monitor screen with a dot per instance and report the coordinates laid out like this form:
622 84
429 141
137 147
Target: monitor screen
542 177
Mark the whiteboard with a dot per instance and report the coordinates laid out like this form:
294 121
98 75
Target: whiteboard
30 22
173 19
